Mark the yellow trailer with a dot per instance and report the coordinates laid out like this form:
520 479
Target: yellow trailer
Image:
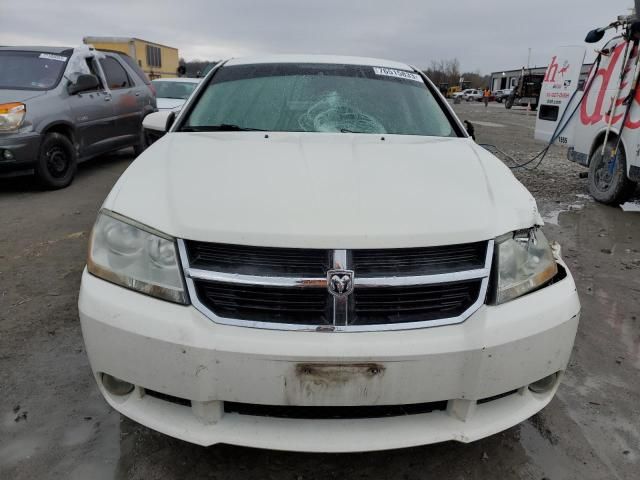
155 59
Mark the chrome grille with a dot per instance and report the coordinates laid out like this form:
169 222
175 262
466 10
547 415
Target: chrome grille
266 261
264 303
286 288
419 261
415 303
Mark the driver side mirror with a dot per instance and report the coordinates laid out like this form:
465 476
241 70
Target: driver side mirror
83 83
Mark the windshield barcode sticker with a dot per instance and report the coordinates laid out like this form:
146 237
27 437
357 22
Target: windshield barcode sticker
49 56
391 72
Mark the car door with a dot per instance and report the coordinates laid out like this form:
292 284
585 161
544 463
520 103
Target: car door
127 113
92 113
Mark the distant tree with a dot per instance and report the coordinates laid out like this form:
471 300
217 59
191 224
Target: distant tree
477 80
448 72
197 68
444 71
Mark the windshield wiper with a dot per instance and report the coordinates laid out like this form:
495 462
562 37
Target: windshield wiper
224 127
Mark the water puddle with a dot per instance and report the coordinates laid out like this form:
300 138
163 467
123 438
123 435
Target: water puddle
552 215
488 124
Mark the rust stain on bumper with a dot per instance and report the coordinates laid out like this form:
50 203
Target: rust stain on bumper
338 373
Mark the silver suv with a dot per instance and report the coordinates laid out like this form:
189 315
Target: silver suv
60 106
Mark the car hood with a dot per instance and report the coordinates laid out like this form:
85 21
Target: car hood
8 95
169 103
321 190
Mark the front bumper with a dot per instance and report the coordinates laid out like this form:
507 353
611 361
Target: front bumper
24 148
174 350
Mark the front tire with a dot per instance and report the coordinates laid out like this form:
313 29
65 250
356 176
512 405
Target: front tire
508 103
608 181
57 162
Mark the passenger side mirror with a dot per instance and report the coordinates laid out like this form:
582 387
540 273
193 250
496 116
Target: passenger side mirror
83 83
594 36
159 121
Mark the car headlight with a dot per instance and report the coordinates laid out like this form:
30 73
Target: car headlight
524 263
11 115
132 255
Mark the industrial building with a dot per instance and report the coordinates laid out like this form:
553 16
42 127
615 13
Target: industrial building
509 78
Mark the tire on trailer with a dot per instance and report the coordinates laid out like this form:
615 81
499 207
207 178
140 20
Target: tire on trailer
508 103
57 163
606 186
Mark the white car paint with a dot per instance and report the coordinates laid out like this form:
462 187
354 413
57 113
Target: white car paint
169 191
334 191
169 103
176 350
174 104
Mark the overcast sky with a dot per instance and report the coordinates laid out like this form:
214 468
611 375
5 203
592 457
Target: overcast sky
487 36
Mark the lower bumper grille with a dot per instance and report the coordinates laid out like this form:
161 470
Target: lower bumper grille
333 412
168 398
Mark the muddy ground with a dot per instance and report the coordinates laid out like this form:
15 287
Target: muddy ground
54 424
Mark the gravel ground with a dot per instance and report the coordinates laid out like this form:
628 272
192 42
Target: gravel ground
54 424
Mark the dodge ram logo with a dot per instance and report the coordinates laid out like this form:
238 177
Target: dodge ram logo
340 282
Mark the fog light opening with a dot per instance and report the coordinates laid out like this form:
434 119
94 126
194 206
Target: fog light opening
544 384
7 154
115 386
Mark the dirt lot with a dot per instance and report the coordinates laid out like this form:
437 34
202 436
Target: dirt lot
54 424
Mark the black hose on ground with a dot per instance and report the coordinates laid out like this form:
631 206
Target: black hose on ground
557 132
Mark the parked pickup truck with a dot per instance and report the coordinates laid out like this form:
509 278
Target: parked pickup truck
502 94
317 257
60 106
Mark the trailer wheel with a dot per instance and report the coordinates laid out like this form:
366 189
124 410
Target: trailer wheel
608 181
508 103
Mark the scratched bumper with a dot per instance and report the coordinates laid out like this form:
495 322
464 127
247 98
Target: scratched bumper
24 148
175 351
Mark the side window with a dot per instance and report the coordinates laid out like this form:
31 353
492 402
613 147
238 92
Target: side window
93 68
154 56
135 67
116 75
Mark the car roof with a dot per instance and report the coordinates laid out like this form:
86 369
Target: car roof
36 49
178 79
330 59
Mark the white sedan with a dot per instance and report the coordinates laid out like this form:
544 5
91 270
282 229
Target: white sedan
171 93
317 257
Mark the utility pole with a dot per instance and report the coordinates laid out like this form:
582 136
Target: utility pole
529 58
